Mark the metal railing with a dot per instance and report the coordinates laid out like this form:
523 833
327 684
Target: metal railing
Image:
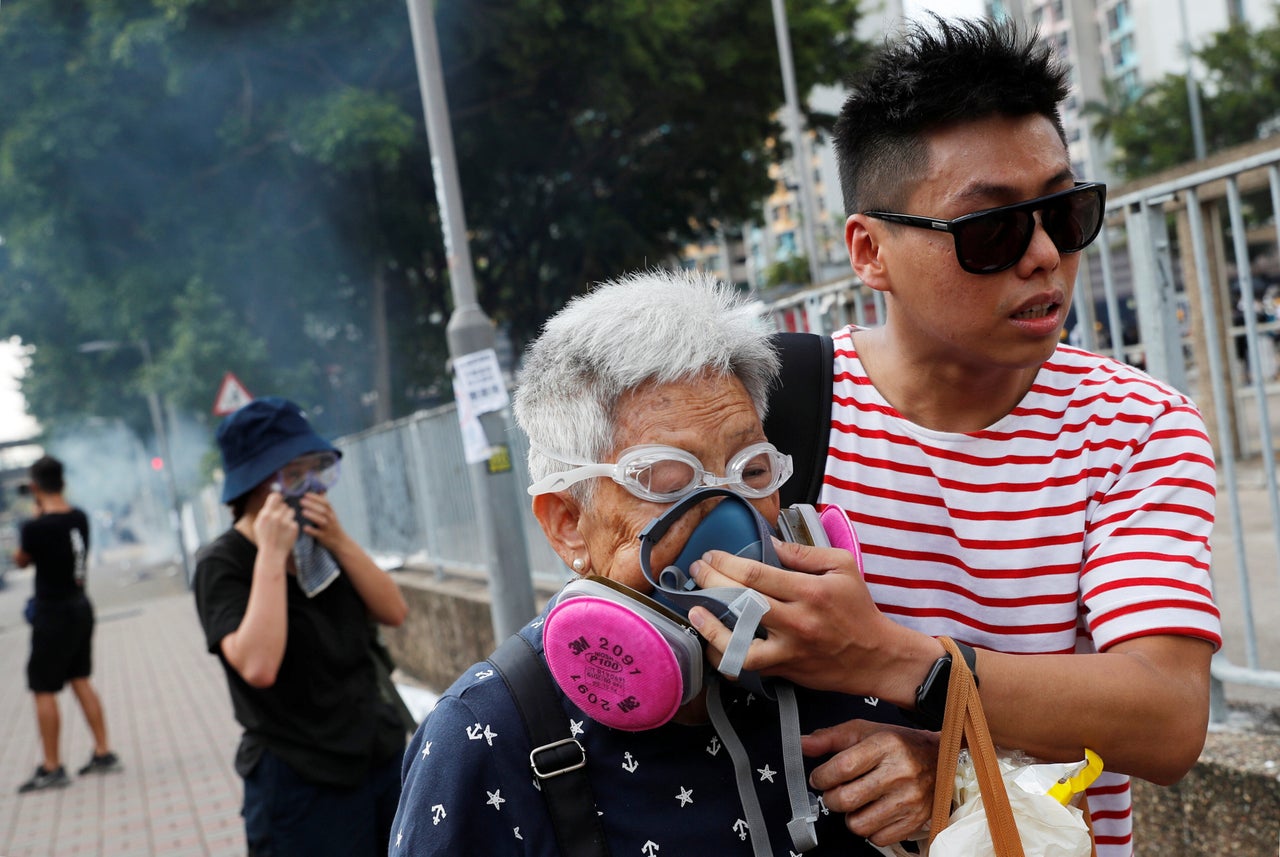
406 496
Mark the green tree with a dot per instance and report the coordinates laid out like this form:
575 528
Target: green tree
230 179
1239 95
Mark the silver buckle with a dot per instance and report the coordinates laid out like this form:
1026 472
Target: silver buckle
546 775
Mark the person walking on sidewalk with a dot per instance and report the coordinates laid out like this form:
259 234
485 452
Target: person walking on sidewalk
61 617
285 598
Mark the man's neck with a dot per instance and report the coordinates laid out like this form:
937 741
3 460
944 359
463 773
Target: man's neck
52 504
938 395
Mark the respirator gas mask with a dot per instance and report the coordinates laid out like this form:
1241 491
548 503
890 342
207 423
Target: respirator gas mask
631 660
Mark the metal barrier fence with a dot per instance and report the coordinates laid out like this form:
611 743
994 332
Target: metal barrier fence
1165 265
405 494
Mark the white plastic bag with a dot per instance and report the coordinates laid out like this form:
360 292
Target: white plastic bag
1045 826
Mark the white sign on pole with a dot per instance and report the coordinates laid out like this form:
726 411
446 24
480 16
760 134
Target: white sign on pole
477 378
479 389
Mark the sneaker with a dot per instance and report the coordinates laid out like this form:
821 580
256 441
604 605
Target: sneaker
103 764
43 779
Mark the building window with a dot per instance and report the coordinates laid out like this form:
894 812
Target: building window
1118 18
786 248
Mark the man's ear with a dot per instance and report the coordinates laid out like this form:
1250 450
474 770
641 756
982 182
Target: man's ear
862 238
558 515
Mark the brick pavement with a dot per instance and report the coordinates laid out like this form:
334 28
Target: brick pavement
169 719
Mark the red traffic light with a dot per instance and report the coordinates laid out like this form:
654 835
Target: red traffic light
157 463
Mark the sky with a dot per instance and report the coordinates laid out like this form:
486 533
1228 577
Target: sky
946 8
14 422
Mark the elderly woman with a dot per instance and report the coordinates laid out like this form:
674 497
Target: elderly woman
660 374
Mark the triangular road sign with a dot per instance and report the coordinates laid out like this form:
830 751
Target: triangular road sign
232 395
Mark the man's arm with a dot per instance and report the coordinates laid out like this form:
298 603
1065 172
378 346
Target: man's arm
1142 705
256 648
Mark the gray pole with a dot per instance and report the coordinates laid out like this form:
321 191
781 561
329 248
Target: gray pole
469 331
799 141
1193 88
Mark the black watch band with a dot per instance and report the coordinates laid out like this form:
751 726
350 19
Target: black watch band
931 695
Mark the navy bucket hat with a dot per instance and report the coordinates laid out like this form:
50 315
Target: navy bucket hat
259 439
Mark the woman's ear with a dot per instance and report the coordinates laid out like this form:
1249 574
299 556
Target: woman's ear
862 238
558 515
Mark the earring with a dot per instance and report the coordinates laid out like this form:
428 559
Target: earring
578 564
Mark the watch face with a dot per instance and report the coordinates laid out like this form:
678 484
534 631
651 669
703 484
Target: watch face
931 697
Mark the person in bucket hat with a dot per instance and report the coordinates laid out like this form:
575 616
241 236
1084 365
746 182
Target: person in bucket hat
285 597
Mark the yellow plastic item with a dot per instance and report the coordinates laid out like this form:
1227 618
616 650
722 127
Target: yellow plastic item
1064 790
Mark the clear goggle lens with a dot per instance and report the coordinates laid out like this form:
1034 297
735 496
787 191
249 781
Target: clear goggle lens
664 474
315 473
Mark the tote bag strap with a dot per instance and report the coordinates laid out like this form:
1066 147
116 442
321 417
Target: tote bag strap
964 721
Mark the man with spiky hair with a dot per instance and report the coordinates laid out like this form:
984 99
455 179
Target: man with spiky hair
1047 508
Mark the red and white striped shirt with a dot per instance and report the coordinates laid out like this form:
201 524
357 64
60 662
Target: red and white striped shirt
1079 520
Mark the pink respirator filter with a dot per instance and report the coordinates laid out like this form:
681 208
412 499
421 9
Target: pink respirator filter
614 664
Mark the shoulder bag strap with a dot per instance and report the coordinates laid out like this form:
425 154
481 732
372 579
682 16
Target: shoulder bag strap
799 418
964 718
558 759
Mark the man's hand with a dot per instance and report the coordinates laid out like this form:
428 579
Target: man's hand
824 630
322 521
275 529
881 776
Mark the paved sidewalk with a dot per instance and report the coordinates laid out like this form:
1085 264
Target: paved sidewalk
169 719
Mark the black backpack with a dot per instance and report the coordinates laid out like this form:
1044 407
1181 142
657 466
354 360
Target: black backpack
799 418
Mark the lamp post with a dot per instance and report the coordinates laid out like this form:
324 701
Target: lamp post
799 142
162 437
1193 87
470 332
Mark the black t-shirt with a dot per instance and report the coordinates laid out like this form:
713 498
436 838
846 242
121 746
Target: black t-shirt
58 544
323 715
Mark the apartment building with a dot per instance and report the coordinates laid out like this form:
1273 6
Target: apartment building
1131 43
744 253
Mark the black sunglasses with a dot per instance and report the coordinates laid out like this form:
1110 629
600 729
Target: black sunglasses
993 240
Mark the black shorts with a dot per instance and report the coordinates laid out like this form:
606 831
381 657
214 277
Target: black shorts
61 644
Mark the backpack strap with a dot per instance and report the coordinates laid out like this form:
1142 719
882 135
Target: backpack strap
799 418
558 759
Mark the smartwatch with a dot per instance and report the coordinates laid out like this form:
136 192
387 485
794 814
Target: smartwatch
931 695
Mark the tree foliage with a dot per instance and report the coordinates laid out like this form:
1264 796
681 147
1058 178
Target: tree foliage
1239 92
226 179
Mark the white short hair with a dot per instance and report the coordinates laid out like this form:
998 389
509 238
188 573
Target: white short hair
652 326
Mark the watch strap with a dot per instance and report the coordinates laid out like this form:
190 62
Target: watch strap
931 695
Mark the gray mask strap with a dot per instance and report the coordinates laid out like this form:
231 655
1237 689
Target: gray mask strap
804 807
741 768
